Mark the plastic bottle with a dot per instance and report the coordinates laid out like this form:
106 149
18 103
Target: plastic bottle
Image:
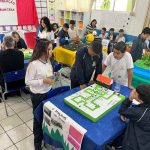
117 85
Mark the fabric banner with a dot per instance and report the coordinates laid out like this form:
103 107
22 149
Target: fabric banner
62 128
18 12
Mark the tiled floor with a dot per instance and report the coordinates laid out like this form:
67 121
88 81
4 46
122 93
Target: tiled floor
16 131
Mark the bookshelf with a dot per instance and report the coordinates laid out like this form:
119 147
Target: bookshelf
65 16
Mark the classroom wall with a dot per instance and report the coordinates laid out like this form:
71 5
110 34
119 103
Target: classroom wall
132 25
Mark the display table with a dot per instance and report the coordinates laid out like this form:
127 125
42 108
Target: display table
98 134
66 56
141 73
27 53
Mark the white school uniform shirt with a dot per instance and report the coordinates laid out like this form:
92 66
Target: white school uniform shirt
120 39
73 33
103 36
119 67
46 35
36 72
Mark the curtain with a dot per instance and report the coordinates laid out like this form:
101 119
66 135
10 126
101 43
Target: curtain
26 12
147 19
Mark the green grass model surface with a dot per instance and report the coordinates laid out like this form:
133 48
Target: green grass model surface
94 101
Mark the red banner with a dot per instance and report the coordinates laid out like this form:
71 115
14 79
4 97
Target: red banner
26 12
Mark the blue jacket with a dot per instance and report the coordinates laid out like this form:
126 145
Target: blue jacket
84 66
62 37
137 48
137 134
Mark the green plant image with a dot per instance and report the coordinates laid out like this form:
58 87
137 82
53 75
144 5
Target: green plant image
146 59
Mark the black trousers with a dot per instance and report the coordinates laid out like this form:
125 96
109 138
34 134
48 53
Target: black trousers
37 127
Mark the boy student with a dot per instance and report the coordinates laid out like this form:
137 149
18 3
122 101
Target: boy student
72 31
63 35
103 34
139 43
120 36
121 64
137 134
88 65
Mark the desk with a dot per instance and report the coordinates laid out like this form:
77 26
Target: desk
65 56
99 133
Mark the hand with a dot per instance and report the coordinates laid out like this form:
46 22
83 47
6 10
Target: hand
132 95
48 81
91 82
123 118
131 87
82 86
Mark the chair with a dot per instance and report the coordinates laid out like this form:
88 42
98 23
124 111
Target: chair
10 77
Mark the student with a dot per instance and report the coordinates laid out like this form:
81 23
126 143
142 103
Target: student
111 36
103 34
121 64
55 29
46 31
91 27
72 31
64 36
88 65
19 42
120 36
137 134
10 60
138 44
38 78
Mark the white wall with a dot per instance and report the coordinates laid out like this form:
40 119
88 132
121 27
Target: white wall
132 25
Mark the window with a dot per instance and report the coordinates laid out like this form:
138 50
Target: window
113 5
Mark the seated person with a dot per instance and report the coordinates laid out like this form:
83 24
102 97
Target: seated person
137 133
121 64
103 34
138 44
111 36
73 32
55 29
87 66
64 37
91 27
120 36
19 42
46 31
10 60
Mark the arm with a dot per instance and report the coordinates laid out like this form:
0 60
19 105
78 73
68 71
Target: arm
23 43
130 74
98 67
130 70
134 49
103 67
30 79
129 112
79 69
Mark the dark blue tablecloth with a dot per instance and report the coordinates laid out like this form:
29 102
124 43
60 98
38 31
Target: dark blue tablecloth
98 134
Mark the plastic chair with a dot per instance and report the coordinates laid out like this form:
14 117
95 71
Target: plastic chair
38 113
10 77
30 38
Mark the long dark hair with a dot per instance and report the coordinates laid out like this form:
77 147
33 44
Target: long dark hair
94 20
41 48
14 32
47 23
